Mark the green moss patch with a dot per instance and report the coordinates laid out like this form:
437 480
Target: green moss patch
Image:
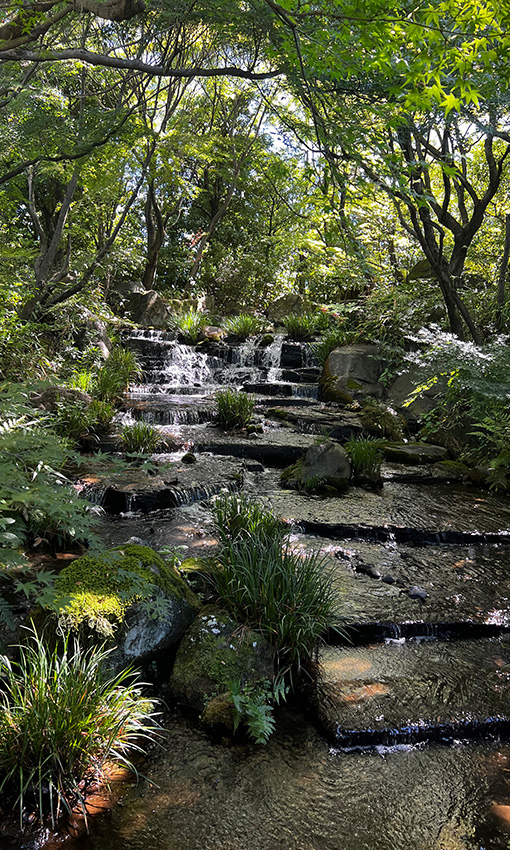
98 590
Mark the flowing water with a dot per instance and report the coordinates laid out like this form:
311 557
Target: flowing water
404 746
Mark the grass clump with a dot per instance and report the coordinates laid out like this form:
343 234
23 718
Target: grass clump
331 340
61 722
234 409
112 380
287 596
189 326
303 327
243 326
365 455
237 517
140 438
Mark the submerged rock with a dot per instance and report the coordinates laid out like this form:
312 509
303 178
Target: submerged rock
324 465
415 453
214 651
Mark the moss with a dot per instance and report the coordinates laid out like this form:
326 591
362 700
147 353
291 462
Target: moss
216 651
379 421
98 590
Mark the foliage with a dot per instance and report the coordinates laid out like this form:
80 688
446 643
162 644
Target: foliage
302 327
234 409
253 706
365 455
189 325
238 517
62 721
37 501
379 420
323 348
76 420
243 326
112 380
140 437
96 591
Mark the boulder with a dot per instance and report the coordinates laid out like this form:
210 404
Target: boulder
130 596
355 370
50 398
205 303
214 651
326 465
402 389
148 309
280 308
213 333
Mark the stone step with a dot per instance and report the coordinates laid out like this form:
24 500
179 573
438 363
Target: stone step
296 390
410 691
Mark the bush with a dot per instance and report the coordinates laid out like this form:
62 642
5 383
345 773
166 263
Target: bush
322 349
113 379
302 327
365 455
234 409
140 438
288 596
61 722
37 502
237 517
189 325
75 420
243 326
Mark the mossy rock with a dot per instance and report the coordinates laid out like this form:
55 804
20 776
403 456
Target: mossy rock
215 651
129 595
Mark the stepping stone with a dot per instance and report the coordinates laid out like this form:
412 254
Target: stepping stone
409 691
415 453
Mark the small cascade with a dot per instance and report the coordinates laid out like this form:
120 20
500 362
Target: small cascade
272 357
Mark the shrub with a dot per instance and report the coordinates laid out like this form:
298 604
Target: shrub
61 722
301 327
189 325
322 349
37 502
140 438
113 379
243 326
238 517
288 596
234 409
365 455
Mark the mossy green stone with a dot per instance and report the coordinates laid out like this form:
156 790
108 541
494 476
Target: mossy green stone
99 589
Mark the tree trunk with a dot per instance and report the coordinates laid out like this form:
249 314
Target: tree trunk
503 271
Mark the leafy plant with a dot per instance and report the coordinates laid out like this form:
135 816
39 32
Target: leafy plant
243 326
323 348
302 327
189 325
234 409
365 455
62 721
113 378
380 420
288 596
37 502
141 438
238 517
76 420
253 706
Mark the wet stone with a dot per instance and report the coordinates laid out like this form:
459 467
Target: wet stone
406 691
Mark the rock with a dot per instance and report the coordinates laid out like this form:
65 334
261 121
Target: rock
479 474
281 307
181 305
368 570
51 397
388 579
215 651
94 333
213 333
416 592
219 711
205 303
189 457
369 479
148 309
130 596
401 390
355 370
415 453
126 287
329 462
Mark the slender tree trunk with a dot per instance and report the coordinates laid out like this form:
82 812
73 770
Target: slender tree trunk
503 271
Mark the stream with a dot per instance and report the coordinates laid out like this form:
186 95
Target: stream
407 745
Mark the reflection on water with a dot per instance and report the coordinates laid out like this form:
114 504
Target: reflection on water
296 794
